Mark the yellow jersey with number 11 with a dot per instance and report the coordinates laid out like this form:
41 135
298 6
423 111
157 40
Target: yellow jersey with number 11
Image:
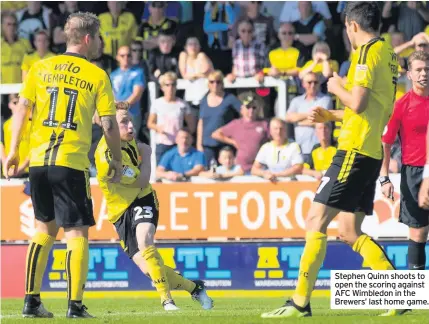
65 90
375 67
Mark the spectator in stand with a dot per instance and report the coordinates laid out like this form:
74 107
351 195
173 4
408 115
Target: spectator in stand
285 60
118 27
128 84
248 54
194 66
59 36
309 29
13 50
263 26
219 17
320 62
299 110
409 17
291 13
247 133
104 61
273 8
168 114
164 58
32 19
172 10
41 43
181 162
419 42
12 6
227 168
157 22
322 153
278 158
217 109
24 147
137 55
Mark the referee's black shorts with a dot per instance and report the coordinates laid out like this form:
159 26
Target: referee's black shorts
61 194
410 213
349 183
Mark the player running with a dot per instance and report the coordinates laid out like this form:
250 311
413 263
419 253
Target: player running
348 187
64 92
410 119
133 208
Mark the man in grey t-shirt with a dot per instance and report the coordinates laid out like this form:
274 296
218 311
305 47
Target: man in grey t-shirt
300 108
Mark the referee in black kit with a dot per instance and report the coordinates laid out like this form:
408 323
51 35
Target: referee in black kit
410 118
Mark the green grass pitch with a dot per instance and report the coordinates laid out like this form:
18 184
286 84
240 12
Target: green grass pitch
227 310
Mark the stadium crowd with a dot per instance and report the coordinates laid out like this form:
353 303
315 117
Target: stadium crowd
206 130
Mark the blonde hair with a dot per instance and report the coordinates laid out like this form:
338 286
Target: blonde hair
79 25
279 120
217 74
417 56
321 47
167 76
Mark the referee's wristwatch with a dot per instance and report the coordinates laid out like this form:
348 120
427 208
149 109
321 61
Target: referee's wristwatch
384 180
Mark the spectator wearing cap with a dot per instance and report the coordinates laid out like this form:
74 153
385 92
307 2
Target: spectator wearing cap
194 66
322 153
286 59
182 161
150 29
278 158
299 110
165 58
217 109
309 29
128 84
219 17
227 167
13 50
59 36
248 54
409 17
117 27
168 114
41 43
32 19
247 133
263 26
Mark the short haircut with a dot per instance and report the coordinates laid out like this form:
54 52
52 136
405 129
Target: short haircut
279 120
167 76
41 32
247 21
9 14
366 14
185 129
417 56
321 47
227 149
79 25
217 74
166 33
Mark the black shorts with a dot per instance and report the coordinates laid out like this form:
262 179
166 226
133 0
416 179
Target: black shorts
410 213
349 184
61 194
142 210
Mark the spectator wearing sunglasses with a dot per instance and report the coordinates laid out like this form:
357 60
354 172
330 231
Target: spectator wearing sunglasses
245 134
217 109
299 110
168 114
128 84
248 54
13 50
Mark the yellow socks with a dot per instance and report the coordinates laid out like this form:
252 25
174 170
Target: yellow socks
76 267
372 253
157 273
311 261
176 281
37 258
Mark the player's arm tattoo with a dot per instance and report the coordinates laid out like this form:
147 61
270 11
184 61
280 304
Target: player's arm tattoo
107 123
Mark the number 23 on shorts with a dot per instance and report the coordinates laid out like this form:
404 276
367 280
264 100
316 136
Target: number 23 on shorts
143 212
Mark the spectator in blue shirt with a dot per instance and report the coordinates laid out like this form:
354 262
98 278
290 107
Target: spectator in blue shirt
182 161
128 84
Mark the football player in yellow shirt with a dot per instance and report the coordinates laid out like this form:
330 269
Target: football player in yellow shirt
348 187
64 92
132 207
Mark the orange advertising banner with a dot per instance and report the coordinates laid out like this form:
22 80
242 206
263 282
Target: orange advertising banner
205 211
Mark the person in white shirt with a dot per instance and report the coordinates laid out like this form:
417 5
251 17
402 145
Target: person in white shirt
278 158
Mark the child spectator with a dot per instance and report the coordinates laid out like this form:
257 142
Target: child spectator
164 58
321 62
227 168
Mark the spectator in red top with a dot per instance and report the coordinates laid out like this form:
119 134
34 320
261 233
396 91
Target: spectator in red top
410 117
247 133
